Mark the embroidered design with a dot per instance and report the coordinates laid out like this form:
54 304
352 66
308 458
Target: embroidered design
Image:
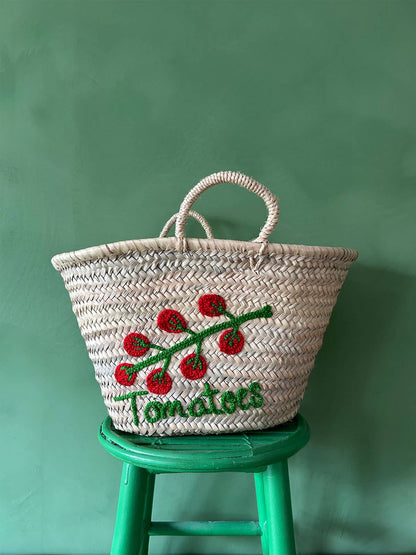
136 344
193 366
211 305
243 399
171 321
231 342
123 375
132 396
159 381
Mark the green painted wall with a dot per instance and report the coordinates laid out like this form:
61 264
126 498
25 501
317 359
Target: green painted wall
109 113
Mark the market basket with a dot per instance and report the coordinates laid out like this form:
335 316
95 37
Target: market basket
203 336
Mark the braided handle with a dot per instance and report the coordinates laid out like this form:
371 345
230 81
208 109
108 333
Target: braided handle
191 214
229 177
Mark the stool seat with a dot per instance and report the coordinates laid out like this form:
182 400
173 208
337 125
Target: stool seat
262 453
242 452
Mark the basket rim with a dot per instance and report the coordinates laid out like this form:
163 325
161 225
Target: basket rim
110 250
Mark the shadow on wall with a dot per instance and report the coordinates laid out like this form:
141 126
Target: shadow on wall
359 464
361 406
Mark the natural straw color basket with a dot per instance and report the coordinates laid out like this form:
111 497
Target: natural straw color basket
199 336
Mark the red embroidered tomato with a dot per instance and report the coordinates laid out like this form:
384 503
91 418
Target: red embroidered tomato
211 305
192 370
231 342
136 344
122 375
159 383
171 321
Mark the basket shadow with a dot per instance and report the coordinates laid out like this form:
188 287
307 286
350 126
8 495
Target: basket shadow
360 405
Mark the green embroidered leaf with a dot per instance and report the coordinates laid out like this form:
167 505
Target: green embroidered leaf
139 342
232 337
229 337
175 323
129 370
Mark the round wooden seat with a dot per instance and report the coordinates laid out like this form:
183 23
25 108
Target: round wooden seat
243 452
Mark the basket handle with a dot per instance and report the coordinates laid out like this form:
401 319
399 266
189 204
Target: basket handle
191 214
229 177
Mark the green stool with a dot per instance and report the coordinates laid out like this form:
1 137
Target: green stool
262 453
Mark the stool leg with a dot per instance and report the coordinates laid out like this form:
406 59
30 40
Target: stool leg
262 510
133 512
147 514
281 540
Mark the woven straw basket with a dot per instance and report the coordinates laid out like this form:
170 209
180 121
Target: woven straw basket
203 336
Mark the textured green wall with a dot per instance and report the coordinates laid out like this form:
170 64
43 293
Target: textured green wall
110 112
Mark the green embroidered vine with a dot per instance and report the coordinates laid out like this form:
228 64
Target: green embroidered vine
196 338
